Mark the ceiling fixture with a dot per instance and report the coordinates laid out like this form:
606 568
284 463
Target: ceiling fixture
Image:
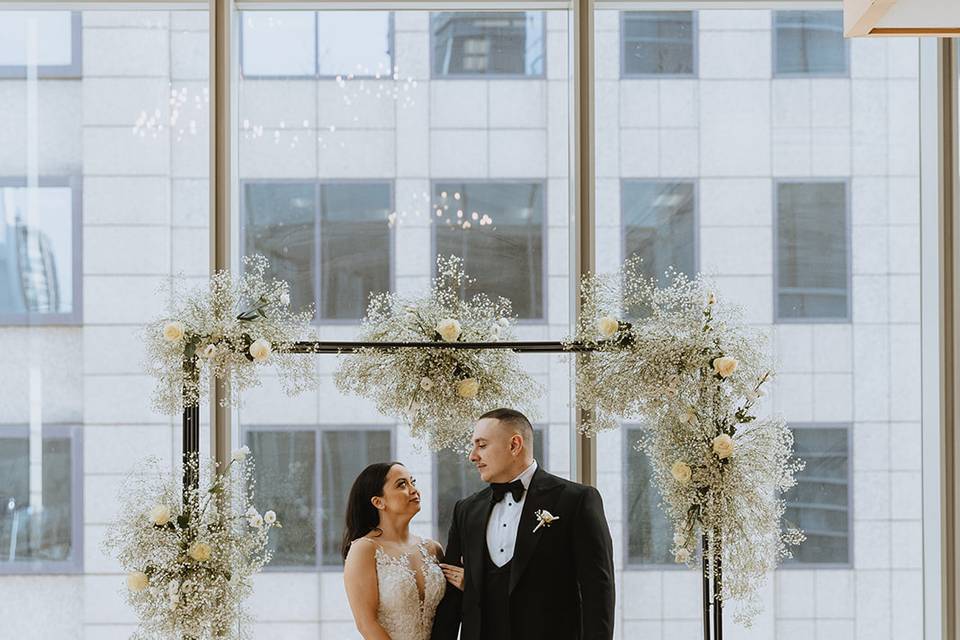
901 18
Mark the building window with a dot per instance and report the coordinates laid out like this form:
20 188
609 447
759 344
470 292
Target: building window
812 261
809 43
488 43
455 478
317 44
819 504
40 252
58 49
659 225
40 494
659 43
331 241
497 228
305 476
649 530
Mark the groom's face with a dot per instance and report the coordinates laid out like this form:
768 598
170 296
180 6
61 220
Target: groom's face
493 453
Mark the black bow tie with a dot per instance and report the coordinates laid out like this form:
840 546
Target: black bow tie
501 489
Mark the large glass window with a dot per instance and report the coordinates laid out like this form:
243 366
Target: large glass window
820 502
659 225
330 241
39 252
812 251
40 506
48 40
488 43
659 43
649 531
305 475
498 230
809 43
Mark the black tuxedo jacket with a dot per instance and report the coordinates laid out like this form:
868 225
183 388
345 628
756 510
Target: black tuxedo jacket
561 581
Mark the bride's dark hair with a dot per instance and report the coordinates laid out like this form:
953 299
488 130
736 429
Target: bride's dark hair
362 517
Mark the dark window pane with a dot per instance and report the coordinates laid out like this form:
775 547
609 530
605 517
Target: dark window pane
344 455
809 42
658 223
649 531
36 250
488 43
819 503
355 247
286 480
457 478
658 43
279 223
497 228
40 531
812 265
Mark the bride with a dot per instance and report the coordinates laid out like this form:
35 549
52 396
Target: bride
394 579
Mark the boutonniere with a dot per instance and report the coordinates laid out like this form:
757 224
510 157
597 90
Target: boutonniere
545 519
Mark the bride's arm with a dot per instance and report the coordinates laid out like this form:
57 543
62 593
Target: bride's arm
360 580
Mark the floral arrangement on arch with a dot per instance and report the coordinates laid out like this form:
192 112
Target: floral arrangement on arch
438 392
190 554
688 369
227 330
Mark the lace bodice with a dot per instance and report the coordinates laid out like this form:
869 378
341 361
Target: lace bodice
402 612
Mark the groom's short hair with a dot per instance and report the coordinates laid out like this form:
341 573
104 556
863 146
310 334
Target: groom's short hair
515 421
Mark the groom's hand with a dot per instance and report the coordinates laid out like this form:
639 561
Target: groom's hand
453 574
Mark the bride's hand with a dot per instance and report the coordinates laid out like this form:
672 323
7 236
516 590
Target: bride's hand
454 575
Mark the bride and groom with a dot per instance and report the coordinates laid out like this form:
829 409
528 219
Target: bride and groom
528 558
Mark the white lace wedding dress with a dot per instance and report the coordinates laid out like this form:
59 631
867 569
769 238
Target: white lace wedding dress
410 589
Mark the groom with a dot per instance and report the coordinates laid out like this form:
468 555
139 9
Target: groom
531 553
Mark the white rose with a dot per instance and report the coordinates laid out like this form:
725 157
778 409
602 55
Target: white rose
284 298
255 521
426 383
468 388
241 454
137 581
173 330
504 322
725 366
688 417
260 350
270 517
449 329
682 556
608 326
679 539
681 472
723 446
209 351
711 298
160 515
200 551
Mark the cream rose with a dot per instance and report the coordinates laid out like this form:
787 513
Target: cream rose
426 383
608 326
688 417
270 517
137 581
682 556
468 388
679 539
449 329
681 472
255 521
160 515
725 366
260 350
711 298
723 446
173 330
240 454
209 351
284 299
200 551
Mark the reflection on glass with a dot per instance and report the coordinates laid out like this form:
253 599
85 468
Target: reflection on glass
812 238
497 229
658 43
819 503
658 225
54 38
457 478
488 43
649 531
809 43
341 52
36 250
278 43
30 529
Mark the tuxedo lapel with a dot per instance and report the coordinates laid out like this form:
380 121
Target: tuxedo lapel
476 534
542 494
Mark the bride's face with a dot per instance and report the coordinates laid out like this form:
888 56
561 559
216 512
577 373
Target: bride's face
400 493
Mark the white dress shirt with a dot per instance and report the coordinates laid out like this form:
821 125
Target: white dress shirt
505 520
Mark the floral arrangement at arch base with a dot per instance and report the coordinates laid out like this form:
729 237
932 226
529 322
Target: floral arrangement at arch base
190 554
438 392
691 371
228 330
